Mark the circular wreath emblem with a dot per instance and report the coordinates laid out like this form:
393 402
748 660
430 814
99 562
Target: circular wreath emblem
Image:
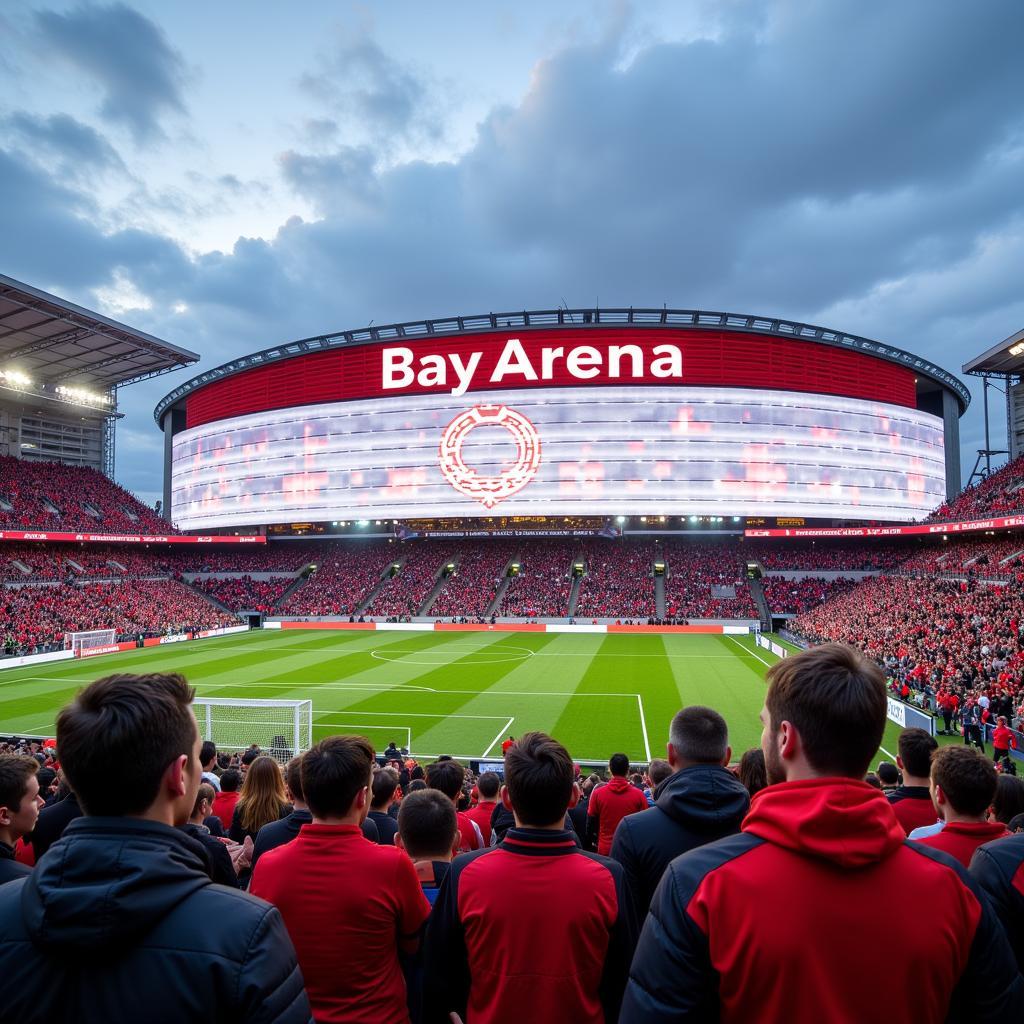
489 490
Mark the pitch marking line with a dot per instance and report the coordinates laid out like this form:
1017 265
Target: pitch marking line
643 726
747 650
503 731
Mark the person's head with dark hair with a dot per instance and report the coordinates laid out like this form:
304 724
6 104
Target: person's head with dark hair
263 797
488 786
888 774
249 756
916 747
203 807
963 783
46 777
1009 799
208 755
824 714
618 765
658 772
20 799
698 735
292 781
447 776
427 826
540 781
1016 823
231 781
416 772
752 772
144 725
417 785
385 782
336 779
873 780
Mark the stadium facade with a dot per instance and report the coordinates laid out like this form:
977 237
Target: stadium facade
623 412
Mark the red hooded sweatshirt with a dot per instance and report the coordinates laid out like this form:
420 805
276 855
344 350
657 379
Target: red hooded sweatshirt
609 804
781 922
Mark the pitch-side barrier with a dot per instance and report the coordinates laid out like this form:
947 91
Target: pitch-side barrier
505 627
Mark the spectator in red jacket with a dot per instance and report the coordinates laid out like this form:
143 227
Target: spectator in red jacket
1002 740
611 803
347 903
535 929
963 788
821 858
224 802
912 801
487 786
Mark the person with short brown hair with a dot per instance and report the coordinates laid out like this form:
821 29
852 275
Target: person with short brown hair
821 858
963 786
120 911
20 803
534 929
912 798
349 903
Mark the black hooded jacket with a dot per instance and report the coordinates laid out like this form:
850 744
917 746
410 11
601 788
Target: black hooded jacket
694 806
120 922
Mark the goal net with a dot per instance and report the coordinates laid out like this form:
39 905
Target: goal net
90 640
280 728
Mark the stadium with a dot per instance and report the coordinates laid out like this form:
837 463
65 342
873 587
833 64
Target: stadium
441 536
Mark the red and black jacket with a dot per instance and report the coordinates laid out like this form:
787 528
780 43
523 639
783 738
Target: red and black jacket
998 867
781 922
534 929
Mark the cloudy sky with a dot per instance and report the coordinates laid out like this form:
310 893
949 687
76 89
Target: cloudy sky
229 176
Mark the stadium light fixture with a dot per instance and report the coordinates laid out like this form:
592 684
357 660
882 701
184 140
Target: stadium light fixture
620 519
14 379
363 522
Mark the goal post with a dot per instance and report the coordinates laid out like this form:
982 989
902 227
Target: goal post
89 640
280 728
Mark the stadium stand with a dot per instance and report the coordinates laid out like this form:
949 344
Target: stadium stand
618 581
793 597
830 556
693 569
998 495
345 574
406 591
37 617
543 584
243 593
470 590
989 557
52 496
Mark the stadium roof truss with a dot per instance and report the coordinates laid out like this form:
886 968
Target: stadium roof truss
580 318
53 341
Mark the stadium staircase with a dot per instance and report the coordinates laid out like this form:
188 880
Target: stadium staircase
761 603
219 605
506 580
659 596
442 580
385 575
574 595
299 581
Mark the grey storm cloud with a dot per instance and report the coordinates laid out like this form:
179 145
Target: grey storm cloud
846 164
78 147
129 58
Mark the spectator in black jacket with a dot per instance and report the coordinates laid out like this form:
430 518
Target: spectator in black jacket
219 866
535 929
119 919
700 802
20 801
53 819
385 782
999 870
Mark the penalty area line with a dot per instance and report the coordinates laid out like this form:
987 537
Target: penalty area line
501 732
643 727
747 650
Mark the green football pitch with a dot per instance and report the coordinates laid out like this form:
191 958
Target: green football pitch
448 692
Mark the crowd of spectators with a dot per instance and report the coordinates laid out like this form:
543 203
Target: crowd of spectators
345 574
243 593
997 495
618 579
627 897
34 618
793 597
543 584
34 489
693 568
931 635
407 590
974 557
827 555
471 588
